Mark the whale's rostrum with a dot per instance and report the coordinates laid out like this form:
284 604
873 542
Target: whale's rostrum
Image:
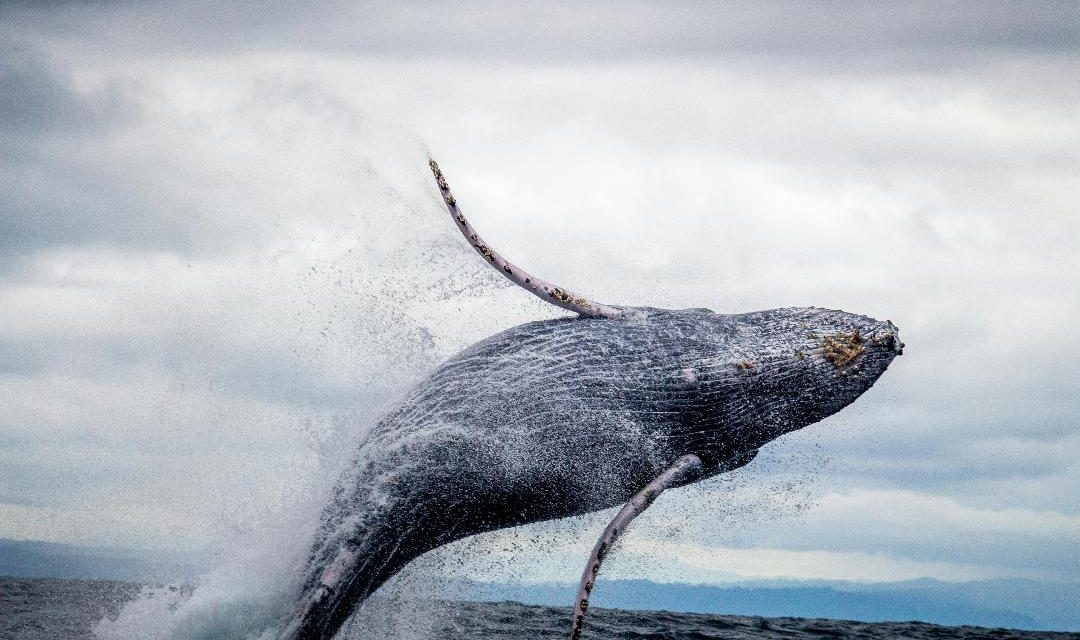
562 417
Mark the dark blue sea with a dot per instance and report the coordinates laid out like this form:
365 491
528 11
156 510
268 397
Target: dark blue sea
52 609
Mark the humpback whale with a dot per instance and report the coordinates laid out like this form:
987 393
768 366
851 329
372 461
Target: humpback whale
563 417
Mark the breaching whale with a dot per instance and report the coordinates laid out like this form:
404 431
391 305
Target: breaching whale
562 417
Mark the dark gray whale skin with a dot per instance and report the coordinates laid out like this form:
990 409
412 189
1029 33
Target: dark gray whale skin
562 417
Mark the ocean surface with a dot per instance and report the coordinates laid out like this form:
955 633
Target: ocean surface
52 609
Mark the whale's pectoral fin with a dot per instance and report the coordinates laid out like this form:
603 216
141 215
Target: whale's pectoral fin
686 467
558 296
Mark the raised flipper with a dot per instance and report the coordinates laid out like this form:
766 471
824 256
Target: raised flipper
685 467
558 296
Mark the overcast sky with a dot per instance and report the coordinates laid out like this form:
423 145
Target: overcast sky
221 254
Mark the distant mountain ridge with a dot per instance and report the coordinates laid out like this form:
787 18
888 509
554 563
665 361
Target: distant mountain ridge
35 559
1014 604
799 602
1011 603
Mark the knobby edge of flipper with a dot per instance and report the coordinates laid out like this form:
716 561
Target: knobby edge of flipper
682 470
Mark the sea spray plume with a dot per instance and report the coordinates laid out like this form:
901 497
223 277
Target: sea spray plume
562 417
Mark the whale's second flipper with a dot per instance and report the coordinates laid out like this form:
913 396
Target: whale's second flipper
685 468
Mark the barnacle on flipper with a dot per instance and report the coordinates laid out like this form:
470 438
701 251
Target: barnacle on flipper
568 298
843 348
485 251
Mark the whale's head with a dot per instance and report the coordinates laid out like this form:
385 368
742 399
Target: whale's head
747 379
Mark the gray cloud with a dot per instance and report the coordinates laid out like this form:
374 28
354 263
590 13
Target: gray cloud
63 184
846 34
36 98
